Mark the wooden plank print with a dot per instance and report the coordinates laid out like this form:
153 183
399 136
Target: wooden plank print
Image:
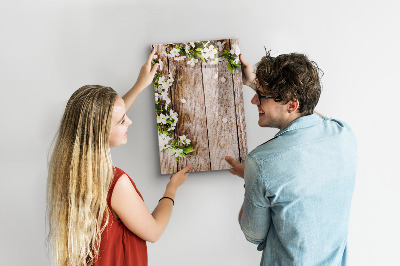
205 119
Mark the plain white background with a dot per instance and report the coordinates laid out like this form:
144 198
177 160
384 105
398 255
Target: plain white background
49 49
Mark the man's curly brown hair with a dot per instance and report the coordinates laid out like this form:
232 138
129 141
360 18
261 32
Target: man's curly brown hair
290 77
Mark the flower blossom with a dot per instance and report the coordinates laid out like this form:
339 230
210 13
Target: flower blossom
162 119
163 141
174 52
184 140
176 152
164 95
221 45
209 52
235 50
192 61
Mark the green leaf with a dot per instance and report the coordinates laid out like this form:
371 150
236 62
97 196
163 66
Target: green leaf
187 149
230 67
201 57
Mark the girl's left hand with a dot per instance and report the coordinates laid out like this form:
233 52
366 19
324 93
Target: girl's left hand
146 74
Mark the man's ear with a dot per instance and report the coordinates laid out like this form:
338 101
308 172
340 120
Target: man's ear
293 105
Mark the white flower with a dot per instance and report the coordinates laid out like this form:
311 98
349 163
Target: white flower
224 120
161 80
155 56
213 51
183 100
160 64
164 95
216 76
184 140
173 114
167 102
178 153
164 84
192 44
156 96
192 61
163 141
162 119
180 58
222 79
187 48
236 61
209 52
235 49
221 45
174 52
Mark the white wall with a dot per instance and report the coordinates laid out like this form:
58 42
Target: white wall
50 48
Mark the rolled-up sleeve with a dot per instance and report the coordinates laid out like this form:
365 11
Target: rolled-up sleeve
256 217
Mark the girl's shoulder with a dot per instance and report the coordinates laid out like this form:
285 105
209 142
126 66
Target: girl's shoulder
118 172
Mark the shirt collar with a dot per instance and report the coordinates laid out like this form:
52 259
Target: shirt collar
301 122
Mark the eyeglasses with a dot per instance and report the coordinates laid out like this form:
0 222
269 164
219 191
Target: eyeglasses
276 99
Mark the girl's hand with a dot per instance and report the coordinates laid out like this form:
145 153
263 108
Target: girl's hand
179 178
146 74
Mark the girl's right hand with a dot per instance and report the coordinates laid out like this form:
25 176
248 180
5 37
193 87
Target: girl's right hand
179 178
146 74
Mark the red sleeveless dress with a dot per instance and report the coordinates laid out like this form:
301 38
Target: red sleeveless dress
119 246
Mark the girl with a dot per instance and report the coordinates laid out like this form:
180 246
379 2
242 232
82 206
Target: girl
96 214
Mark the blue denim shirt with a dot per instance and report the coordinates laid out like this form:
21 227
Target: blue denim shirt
298 190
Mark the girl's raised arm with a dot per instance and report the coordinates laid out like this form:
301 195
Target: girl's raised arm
144 79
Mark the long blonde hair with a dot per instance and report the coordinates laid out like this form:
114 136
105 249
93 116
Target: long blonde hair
80 174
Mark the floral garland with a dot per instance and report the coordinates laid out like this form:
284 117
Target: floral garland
167 118
205 51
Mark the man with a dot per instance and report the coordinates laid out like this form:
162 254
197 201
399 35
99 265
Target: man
299 184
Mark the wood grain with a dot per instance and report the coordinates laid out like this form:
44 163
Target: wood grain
239 109
192 114
221 116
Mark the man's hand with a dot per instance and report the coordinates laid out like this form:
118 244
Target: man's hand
248 76
238 168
